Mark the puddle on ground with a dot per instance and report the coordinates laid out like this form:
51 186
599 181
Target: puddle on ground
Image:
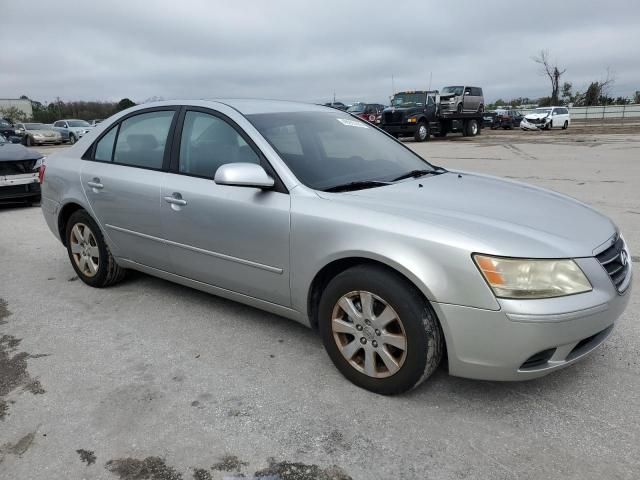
13 366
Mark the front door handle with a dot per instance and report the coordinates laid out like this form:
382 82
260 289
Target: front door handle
95 183
175 199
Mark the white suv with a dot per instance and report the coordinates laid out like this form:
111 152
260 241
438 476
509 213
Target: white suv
546 118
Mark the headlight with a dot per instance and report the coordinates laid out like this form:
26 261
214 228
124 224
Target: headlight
411 119
525 278
37 135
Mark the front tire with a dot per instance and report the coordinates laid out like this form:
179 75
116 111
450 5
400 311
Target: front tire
72 139
459 109
566 125
378 330
422 133
28 141
90 255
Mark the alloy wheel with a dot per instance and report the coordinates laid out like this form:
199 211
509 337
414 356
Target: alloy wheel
369 334
84 249
422 131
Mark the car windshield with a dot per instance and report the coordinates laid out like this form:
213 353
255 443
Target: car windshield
35 126
78 123
454 90
327 149
407 99
543 110
357 108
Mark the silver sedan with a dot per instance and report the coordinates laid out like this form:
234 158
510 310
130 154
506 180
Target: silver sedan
313 214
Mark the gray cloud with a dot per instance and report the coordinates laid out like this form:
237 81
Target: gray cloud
303 51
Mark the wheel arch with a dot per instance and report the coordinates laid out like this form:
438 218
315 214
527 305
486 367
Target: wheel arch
339 265
63 217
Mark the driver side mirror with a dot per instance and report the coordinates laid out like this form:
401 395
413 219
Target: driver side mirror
243 175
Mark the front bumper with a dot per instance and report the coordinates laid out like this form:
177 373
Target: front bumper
19 187
527 339
526 125
400 129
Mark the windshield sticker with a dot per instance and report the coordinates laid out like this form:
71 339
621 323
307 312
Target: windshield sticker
351 123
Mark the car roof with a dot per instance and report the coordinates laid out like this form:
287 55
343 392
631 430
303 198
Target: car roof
246 106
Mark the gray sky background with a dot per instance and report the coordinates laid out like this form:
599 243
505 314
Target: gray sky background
302 50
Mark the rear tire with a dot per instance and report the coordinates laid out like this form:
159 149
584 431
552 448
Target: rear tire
422 133
88 252
471 128
399 315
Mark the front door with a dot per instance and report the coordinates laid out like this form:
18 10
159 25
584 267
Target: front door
236 238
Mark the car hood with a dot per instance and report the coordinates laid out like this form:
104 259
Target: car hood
536 116
492 215
10 152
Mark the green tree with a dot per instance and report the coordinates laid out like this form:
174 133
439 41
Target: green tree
13 114
124 104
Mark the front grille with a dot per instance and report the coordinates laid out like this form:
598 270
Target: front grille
392 117
615 261
535 121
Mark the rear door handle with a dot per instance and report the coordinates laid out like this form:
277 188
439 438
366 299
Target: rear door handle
175 199
95 183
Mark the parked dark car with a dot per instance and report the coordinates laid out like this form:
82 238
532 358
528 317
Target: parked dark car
7 130
507 119
19 175
338 105
367 111
488 119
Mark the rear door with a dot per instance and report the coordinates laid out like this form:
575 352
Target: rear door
236 238
122 181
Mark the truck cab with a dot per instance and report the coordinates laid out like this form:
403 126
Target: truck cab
410 114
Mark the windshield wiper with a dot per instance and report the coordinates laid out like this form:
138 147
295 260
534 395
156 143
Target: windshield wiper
345 187
419 173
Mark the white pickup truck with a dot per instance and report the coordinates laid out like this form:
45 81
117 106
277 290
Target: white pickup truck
72 130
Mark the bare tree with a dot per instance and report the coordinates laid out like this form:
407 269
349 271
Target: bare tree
551 71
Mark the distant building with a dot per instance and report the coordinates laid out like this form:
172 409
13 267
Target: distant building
23 105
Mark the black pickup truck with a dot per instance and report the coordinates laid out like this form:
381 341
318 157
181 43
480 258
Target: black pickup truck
417 114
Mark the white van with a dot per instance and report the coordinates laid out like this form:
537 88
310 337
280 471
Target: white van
545 118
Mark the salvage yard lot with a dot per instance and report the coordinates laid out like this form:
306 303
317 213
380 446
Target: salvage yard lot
101 384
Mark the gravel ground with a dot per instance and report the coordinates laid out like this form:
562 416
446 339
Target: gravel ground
150 380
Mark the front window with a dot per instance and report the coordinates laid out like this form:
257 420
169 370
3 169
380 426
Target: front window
78 123
327 149
455 90
35 126
408 99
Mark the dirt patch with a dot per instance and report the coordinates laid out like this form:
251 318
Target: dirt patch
201 474
86 456
151 468
300 471
229 463
13 371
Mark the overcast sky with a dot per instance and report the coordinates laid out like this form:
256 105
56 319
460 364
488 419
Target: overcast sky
304 50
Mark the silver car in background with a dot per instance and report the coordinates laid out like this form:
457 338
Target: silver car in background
310 213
